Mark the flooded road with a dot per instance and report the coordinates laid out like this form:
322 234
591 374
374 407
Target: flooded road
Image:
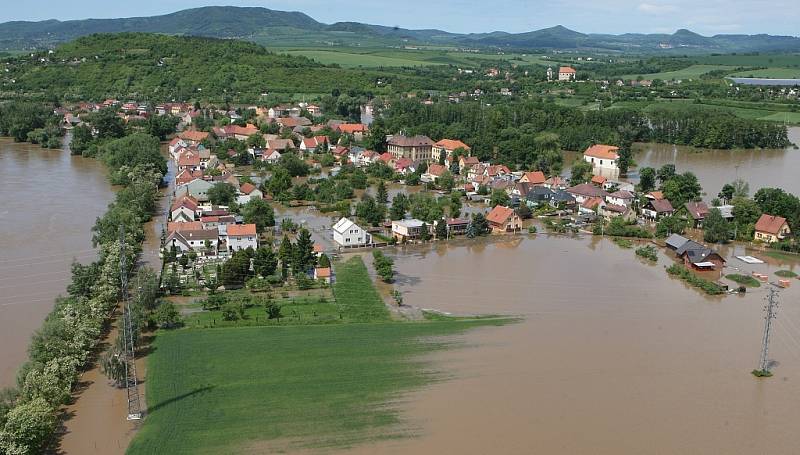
50 203
760 168
612 357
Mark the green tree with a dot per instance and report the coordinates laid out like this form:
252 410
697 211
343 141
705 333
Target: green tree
265 263
222 193
303 254
259 212
665 173
581 172
715 228
670 225
382 195
383 265
478 226
647 179
446 182
441 229
324 261
28 427
499 197
167 315
399 207
285 254
280 182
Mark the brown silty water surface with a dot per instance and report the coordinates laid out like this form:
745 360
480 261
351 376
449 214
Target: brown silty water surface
612 356
50 203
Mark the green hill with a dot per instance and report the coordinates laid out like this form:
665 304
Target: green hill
160 67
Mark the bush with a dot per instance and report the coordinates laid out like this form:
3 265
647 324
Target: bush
706 286
648 252
785 274
531 229
383 265
28 427
623 242
745 280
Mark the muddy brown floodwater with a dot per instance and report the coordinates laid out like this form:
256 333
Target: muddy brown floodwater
714 168
50 202
612 356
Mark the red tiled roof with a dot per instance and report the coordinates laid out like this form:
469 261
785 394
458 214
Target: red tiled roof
173 226
436 169
599 179
770 224
239 230
566 69
323 272
196 136
499 215
656 194
535 177
606 152
661 206
350 128
247 188
452 144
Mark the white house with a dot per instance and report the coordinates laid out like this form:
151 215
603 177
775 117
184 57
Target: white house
604 160
241 237
566 73
203 241
348 233
403 230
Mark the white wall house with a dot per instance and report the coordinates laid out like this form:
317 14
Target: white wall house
347 233
241 237
604 160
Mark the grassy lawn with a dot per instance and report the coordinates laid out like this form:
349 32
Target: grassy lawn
780 255
690 72
790 117
768 60
352 59
262 389
785 274
744 280
356 296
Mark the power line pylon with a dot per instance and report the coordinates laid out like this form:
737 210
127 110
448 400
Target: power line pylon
771 309
129 358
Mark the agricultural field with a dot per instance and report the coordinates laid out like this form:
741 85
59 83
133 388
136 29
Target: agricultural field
354 60
690 72
767 60
293 387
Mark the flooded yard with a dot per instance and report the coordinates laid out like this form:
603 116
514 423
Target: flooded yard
612 356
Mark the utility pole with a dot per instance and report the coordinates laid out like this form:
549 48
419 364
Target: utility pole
771 308
128 357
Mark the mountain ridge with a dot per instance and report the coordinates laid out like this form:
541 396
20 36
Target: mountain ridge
291 28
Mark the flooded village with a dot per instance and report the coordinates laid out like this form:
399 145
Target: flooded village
607 340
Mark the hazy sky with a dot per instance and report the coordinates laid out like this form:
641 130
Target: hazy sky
707 17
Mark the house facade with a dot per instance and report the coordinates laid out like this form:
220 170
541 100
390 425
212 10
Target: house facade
604 160
346 233
241 237
771 229
404 230
446 147
416 148
504 219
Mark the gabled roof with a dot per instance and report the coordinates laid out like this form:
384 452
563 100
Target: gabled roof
173 226
185 201
566 69
344 225
587 190
499 214
599 179
436 169
247 188
592 202
661 206
676 241
606 152
470 160
350 128
698 210
770 224
452 144
240 230
535 177
195 136
622 194
689 245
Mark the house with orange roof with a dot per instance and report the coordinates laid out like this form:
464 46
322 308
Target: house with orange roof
566 73
433 173
183 177
771 229
248 192
173 226
604 159
184 209
533 177
465 163
193 137
189 159
446 147
504 219
323 274
310 144
241 237
357 130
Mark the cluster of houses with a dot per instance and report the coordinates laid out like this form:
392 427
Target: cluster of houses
206 229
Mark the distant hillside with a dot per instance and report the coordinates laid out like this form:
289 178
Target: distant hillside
279 28
160 67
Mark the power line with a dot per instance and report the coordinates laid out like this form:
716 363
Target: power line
129 360
771 308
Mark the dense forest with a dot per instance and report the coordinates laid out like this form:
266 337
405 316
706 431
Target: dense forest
512 132
157 67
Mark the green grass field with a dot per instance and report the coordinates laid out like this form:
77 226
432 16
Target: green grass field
266 389
354 60
768 60
691 72
230 390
